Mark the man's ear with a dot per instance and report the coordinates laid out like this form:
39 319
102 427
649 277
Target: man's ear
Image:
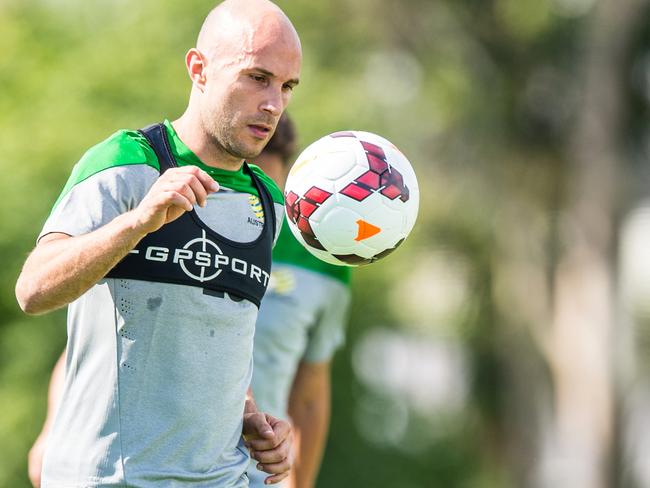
196 67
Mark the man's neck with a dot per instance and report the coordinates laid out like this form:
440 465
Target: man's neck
189 131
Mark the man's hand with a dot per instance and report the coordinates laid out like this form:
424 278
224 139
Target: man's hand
173 194
269 442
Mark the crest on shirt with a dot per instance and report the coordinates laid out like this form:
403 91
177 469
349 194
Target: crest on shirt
256 206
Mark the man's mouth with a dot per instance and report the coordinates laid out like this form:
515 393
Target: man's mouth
260 130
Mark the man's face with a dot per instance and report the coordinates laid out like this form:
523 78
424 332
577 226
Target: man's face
243 100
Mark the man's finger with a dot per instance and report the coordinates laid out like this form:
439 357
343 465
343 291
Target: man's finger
208 183
275 468
181 186
276 478
275 455
265 444
257 427
281 428
178 199
206 180
197 188
281 432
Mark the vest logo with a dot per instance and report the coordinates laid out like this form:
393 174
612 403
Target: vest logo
202 260
256 206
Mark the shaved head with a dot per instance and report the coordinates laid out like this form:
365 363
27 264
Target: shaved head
244 67
237 28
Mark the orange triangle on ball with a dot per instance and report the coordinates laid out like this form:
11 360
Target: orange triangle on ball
366 230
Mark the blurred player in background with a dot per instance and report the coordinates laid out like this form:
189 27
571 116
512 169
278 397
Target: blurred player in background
300 325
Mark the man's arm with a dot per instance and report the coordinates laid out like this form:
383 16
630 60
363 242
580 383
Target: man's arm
309 409
55 390
61 268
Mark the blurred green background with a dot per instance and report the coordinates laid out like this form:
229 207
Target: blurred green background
506 344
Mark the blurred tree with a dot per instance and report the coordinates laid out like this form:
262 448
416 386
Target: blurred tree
583 338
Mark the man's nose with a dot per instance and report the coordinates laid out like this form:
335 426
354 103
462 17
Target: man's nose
273 102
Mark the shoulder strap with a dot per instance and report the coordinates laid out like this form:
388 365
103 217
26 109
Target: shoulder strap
265 197
156 135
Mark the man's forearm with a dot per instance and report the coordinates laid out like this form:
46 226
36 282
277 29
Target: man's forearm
311 423
35 456
55 389
309 408
60 270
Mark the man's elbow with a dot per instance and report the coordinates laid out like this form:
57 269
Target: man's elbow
28 297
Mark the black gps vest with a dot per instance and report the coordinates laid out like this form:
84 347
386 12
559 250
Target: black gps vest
187 252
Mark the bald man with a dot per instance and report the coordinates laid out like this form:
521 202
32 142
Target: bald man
160 246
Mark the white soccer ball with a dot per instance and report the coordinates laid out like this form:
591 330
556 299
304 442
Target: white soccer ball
351 198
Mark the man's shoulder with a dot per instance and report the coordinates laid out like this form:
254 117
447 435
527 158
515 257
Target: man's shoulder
273 188
124 147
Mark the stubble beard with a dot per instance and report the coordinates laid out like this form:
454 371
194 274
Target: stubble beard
221 131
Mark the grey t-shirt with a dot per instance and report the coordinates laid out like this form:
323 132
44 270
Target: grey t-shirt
156 374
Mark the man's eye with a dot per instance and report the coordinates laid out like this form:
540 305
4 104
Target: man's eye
259 78
287 87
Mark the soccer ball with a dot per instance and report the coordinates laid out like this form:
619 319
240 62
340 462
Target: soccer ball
351 198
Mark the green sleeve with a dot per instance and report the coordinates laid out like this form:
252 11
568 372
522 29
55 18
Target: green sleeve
123 148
